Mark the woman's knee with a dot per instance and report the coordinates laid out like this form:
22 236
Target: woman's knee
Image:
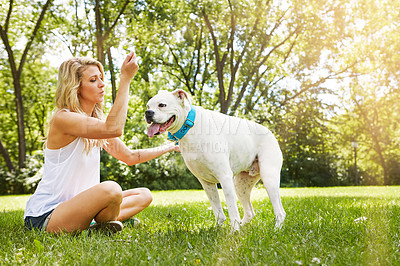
146 195
112 191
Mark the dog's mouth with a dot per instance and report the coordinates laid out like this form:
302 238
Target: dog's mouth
157 129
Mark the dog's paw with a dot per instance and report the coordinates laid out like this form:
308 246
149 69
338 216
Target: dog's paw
235 226
279 221
221 220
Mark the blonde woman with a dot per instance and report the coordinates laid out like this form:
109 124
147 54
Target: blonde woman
70 196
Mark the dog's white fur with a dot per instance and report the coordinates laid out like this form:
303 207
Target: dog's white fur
222 149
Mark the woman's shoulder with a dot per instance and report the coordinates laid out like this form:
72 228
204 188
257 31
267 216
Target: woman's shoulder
63 118
63 114
57 136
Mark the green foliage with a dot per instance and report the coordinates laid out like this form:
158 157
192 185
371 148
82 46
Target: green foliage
305 140
25 180
166 172
282 62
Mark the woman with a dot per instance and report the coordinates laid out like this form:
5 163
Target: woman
70 194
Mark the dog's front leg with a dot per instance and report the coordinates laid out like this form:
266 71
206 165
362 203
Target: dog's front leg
213 196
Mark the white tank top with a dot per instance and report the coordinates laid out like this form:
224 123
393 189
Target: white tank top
67 172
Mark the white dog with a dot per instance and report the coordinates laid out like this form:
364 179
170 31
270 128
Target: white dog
220 149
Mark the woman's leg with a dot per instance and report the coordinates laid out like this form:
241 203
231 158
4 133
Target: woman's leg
101 202
134 201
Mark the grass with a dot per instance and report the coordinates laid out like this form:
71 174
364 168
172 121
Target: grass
324 226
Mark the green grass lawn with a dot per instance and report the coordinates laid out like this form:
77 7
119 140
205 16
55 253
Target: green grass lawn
324 226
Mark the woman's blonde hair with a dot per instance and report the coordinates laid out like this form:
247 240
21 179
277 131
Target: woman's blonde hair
68 85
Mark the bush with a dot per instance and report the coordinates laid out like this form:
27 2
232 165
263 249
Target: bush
25 180
164 173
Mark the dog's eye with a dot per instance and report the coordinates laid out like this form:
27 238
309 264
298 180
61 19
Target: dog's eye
162 105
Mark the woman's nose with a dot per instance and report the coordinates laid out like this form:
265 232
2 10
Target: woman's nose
102 83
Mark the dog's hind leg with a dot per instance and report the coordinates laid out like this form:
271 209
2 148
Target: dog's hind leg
244 183
213 196
270 162
228 187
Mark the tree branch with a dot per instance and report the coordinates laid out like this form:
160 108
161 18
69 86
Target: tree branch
6 157
290 49
198 49
322 80
232 57
186 76
370 125
107 33
276 47
231 36
236 67
177 77
240 58
33 36
219 64
263 93
6 24
10 52
256 68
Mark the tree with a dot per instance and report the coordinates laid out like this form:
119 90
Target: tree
16 69
371 95
93 33
304 135
270 61
105 26
245 52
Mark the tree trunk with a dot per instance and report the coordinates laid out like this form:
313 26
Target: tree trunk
6 157
375 138
20 122
112 73
219 63
103 32
99 34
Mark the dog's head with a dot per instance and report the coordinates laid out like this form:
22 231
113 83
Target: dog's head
167 111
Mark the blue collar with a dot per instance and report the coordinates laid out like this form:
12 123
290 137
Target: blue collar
185 127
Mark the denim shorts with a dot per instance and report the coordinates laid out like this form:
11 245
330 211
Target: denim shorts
39 222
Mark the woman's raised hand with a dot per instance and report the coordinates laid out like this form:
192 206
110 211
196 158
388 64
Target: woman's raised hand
129 66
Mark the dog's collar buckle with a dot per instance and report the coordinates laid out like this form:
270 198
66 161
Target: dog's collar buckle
189 123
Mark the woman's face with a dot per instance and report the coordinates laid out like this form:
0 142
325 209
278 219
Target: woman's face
92 87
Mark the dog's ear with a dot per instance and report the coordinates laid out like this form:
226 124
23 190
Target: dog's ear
181 95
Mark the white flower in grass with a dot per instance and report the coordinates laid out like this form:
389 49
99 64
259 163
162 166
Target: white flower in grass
316 260
360 219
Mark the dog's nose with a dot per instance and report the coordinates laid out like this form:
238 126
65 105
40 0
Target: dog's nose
149 116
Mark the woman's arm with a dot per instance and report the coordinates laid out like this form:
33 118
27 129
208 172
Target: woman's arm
116 118
116 148
75 124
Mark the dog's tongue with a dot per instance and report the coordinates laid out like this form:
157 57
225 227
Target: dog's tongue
153 129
